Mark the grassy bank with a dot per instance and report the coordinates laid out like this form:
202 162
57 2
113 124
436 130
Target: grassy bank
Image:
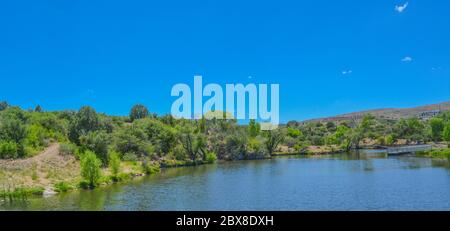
436 153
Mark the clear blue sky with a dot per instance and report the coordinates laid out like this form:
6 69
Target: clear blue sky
328 56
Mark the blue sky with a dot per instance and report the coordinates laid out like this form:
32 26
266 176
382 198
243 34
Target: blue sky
329 57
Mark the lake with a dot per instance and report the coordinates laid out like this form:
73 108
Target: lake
366 181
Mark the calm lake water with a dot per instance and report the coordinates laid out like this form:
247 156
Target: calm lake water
370 181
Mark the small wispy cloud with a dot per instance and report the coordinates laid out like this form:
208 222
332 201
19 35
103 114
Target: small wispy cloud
407 59
401 8
347 72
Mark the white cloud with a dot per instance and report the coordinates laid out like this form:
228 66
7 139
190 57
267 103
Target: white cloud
407 59
401 8
347 72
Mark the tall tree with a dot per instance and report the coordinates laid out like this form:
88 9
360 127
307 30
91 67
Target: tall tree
273 139
138 111
437 126
38 108
446 133
85 121
254 128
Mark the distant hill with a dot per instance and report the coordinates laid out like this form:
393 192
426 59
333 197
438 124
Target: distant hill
423 112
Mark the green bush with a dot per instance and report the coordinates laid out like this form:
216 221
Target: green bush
114 163
97 142
131 157
179 153
150 168
90 168
8 149
211 157
36 135
62 187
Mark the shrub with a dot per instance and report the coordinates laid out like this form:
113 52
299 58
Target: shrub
67 149
149 167
90 168
138 112
211 157
12 129
130 157
84 121
114 163
62 187
8 149
36 135
179 153
97 142
390 140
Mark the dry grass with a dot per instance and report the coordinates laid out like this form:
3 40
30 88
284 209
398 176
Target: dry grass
42 170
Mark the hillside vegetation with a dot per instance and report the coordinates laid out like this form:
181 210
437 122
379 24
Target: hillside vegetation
70 149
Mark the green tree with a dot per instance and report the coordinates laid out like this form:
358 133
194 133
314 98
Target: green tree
85 121
98 142
411 129
446 133
187 139
437 126
38 108
331 126
273 139
130 139
202 124
8 149
13 129
254 128
294 133
114 163
340 137
138 111
3 105
90 168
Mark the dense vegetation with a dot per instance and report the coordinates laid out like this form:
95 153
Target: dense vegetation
100 141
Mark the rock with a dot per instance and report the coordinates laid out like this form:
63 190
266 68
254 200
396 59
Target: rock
48 192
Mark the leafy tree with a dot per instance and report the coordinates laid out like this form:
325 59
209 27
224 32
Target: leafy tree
331 126
202 124
294 133
90 168
361 131
138 111
85 121
200 146
188 140
13 130
446 133
254 128
114 163
8 149
131 139
340 137
38 108
163 137
411 129
97 142
390 139
274 138
36 135
437 126
3 105
236 145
